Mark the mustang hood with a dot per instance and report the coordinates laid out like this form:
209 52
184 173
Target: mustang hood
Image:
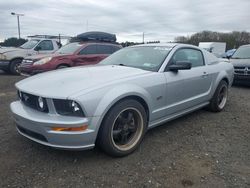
63 83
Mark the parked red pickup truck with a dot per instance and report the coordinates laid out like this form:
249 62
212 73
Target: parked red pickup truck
72 54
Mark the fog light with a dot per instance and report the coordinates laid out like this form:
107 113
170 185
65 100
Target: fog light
40 102
75 106
81 128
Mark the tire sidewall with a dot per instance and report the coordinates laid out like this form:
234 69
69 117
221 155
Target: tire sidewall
215 105
104 136
13 65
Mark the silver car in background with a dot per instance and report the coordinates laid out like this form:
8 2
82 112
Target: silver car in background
114 103
241 63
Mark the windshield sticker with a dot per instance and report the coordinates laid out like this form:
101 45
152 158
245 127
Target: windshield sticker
162 48
147 64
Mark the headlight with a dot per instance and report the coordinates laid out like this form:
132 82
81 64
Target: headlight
68 108
35 102
41 102
43 61
2 56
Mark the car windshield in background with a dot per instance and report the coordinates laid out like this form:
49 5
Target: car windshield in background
30 44
143 57
69 48
242 53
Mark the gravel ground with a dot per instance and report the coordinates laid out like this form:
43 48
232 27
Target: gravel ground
202 149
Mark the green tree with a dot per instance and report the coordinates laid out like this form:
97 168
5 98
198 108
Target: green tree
233 39
15 42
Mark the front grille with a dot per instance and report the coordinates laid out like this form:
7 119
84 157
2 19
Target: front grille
242 70
32 134
32 101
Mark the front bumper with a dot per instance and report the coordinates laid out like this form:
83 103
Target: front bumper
240 78
37 127
4 64
29 70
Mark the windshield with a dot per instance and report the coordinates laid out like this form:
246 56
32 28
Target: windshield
69 48
242 53
143 57
30 44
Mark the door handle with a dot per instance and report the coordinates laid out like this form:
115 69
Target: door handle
204 75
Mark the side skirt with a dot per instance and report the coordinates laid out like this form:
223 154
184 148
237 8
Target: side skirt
176 115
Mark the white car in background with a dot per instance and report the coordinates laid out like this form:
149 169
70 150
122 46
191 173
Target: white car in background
11 58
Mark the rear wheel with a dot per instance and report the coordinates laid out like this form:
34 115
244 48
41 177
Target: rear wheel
123 128
14 66
219 99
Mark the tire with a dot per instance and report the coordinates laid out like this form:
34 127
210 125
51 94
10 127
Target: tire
123 128
14 66
219 99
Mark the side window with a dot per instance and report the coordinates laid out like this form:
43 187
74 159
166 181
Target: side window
88 50
104 49
45 45
193 56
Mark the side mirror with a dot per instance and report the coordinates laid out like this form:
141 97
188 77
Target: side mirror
180 65
38 48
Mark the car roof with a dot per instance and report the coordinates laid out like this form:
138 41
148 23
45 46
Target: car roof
246 45
96 42
168 44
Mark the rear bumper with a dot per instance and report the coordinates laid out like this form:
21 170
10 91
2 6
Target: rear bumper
37 127
4 64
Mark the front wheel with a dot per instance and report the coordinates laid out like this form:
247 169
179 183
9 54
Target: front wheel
15 66
219 99
123 128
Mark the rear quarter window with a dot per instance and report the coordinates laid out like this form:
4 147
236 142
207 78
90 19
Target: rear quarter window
104 49
88 50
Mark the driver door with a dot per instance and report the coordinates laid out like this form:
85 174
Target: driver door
45 47
187 88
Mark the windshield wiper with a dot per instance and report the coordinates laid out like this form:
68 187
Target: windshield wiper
121 64
235 58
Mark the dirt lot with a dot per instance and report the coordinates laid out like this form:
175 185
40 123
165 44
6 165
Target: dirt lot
202 149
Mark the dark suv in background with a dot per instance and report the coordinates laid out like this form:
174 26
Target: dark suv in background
241 63
86 51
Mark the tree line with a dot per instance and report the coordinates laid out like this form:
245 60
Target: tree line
233 39
13 42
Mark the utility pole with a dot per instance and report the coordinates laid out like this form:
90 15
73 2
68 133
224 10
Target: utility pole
87 25
18 22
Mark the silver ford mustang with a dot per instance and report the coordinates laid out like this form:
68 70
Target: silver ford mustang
114 103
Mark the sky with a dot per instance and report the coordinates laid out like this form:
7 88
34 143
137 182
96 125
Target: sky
158 19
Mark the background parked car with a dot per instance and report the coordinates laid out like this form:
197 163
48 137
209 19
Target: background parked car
241 63
228 54
217 48
70 55
86 49
11 58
